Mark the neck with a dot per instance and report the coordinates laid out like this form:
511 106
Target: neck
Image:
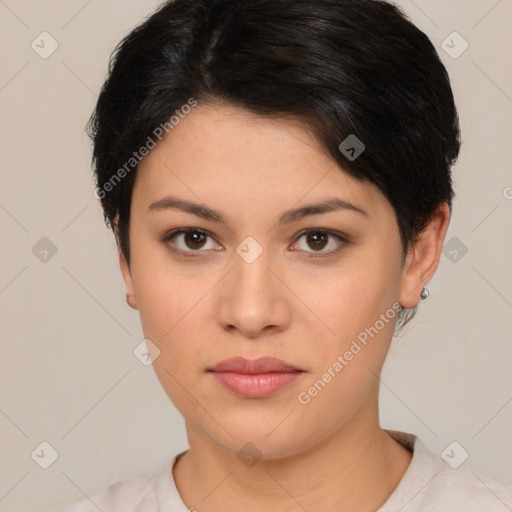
359 465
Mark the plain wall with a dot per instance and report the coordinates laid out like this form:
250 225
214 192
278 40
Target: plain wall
68 375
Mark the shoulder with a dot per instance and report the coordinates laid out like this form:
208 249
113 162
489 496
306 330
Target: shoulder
131 495
430 485
452 489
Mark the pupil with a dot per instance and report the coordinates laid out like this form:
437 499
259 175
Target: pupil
315 239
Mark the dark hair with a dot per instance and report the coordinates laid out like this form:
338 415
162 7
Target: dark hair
343 67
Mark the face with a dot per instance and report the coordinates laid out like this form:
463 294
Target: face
255 280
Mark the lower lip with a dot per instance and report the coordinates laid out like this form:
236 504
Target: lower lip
258 385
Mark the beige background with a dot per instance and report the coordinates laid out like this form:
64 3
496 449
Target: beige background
68 375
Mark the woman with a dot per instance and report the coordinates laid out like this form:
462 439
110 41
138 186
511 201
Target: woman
277 177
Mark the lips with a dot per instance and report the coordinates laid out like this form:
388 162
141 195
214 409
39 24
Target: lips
255 366
259 378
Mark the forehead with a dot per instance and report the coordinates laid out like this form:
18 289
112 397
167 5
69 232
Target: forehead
227 154
226 138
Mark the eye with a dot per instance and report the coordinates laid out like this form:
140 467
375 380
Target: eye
194 240
188 240
319 239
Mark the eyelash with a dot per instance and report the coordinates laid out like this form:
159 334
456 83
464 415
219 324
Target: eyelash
341 238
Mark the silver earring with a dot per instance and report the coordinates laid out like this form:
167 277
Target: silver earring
424 293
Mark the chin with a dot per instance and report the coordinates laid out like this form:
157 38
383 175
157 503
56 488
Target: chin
259 438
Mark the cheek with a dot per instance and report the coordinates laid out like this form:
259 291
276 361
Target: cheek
165 293
351 300
171 312
360 310
346 364
174 304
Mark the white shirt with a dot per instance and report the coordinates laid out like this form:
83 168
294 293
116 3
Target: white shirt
428 485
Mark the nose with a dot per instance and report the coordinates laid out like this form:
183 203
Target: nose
252 299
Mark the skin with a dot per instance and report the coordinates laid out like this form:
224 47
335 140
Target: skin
330 454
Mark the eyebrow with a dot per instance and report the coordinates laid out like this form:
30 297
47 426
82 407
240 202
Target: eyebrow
200 210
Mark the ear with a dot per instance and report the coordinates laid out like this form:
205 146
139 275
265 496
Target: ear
127 277
126 272
423 257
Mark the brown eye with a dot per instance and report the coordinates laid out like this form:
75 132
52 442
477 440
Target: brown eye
194 239
189 240
317 239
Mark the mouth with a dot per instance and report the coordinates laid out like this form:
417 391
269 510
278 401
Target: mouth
259 378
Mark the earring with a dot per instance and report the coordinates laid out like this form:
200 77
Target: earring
424 293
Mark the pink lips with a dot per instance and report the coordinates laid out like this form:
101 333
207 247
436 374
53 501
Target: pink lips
257 378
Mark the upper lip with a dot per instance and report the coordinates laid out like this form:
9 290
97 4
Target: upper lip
254 366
